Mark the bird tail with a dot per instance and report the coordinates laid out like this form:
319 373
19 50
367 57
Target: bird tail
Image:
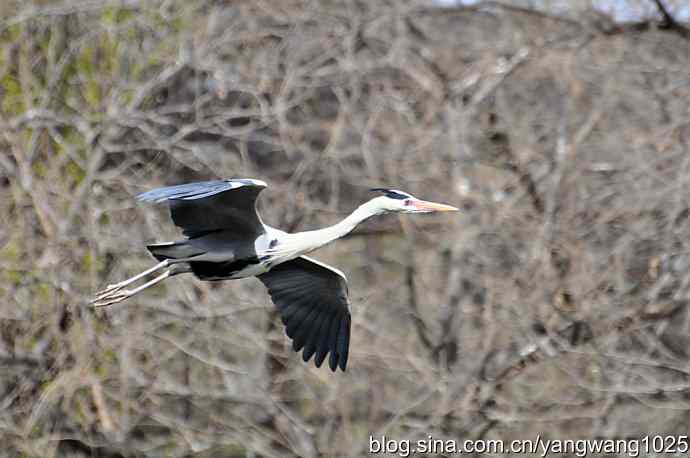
173 250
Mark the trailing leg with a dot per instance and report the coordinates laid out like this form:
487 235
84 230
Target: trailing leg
114 293
119 295
110 289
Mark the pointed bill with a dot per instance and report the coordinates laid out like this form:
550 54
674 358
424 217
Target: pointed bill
427 206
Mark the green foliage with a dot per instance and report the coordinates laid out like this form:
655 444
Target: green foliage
12 100
40 169
11 252
115 16
44 293
89 262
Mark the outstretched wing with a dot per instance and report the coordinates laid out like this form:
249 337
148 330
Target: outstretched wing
208 206
313 304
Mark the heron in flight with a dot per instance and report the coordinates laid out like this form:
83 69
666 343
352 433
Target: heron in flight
226 240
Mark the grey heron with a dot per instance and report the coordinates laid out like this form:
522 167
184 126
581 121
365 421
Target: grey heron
226 239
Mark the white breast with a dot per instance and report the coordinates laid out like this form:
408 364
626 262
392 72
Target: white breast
271 235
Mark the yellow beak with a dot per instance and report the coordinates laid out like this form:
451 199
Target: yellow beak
424 205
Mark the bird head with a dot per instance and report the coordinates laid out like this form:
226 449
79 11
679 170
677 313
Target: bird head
394 200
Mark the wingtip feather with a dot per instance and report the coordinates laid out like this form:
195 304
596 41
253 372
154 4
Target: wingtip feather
344 341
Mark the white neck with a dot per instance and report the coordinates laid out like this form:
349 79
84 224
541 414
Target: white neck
321 237
297 244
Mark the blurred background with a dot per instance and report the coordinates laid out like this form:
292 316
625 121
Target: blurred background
555 303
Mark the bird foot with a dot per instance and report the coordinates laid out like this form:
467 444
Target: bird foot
110 296
110 288
114 293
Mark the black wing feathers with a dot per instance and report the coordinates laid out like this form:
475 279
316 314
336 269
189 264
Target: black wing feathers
323 347
209 206
313 305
